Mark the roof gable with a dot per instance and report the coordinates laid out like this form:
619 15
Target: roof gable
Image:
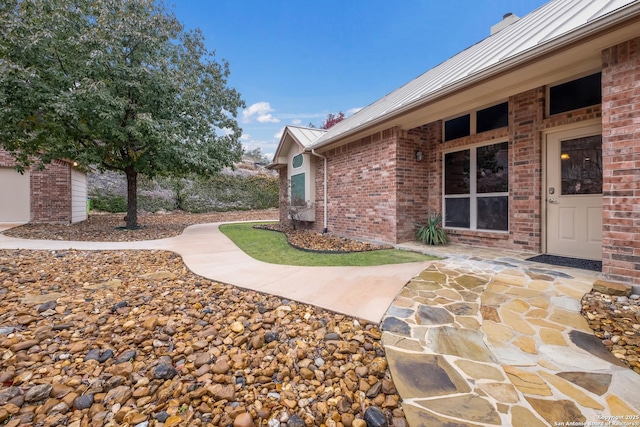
300 136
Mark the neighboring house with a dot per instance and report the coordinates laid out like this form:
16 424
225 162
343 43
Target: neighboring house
527 140
56 194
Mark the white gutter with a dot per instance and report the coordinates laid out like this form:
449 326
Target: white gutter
325 229
587 30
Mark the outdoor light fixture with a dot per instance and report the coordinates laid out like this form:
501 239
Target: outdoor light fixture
75 164
419 156
564 156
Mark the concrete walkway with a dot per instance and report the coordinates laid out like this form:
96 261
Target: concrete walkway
362 292
482 338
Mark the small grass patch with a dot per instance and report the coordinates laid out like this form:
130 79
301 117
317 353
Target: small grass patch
272 247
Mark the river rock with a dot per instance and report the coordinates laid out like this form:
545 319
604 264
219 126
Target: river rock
105 370
375 417
37 393
83 402
243 420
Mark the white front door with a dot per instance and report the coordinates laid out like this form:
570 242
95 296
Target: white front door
573 195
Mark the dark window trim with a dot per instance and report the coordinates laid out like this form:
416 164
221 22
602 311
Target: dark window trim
472 118
473 193
559 105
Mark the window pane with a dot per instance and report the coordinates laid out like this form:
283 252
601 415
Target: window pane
298 197
495 117
493 213
457 128
457 212
456 172
297 161
581 165
576 94
493 168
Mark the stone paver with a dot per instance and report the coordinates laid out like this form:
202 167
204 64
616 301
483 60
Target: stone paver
528 357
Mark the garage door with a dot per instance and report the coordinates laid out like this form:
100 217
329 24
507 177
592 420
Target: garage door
14 196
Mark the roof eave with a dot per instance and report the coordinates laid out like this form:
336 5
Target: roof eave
624 14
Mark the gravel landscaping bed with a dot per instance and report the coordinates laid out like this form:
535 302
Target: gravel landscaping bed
134 338
616 321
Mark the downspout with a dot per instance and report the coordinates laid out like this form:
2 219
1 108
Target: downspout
313 151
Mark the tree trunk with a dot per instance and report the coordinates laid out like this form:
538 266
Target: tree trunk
132 198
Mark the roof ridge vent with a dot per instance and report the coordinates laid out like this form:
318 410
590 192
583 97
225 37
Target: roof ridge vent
507 19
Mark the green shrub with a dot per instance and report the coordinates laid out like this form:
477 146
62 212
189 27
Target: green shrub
222 192
230 192
108 202
432 232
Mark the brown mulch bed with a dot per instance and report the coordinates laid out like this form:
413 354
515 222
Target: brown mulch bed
106 227
312 241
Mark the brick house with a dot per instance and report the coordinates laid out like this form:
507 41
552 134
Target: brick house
58 193
528 140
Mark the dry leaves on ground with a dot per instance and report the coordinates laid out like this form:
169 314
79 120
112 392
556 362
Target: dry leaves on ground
104 227
319 242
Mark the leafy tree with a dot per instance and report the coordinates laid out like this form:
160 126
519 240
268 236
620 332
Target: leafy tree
116 84
257 156
330 121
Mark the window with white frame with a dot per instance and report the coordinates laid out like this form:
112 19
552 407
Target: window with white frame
476 187
298 193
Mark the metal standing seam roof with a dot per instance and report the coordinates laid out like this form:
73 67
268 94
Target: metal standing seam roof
304 135
550 21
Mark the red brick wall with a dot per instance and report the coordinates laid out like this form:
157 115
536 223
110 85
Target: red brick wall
526 112
433 160
50 190
51 193
361 191
412 186
6 159
621 161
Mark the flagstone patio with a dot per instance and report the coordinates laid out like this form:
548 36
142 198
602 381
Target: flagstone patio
487 338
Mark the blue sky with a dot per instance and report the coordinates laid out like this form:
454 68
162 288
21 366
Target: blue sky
295 61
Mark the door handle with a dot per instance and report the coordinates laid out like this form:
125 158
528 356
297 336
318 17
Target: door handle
552 200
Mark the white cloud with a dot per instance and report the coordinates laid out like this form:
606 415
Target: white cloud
245 137
260 111
352 111
278 134
296 122
267 118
